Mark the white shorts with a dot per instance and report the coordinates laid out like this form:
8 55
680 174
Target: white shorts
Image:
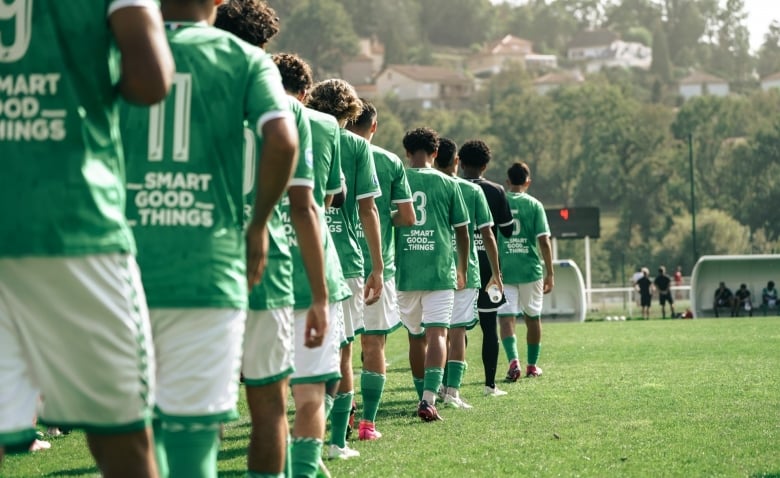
198 362
323 363
268 346
74 330
383 317
353 309
464 310
425 308
523 299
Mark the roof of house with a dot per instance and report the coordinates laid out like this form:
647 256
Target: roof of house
433 74
507 44
772 77
701 78
558 78
592 38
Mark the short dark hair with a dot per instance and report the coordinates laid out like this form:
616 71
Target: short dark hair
770 284
519 173
253 21
662 270
421 139
474 153
296 73
365 119
447 152
335 97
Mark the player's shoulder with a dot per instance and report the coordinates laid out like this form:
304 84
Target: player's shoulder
354 143
380 152
323 119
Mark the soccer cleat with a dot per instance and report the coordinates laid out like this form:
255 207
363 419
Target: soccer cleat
367 431
456 402
427 412
514 372
342 453
532 371
493 392
351 422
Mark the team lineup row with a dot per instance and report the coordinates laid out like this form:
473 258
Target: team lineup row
268 232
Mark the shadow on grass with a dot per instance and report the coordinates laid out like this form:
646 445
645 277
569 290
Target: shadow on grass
91 471
774 474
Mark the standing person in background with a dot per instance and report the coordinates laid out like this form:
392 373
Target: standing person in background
394 207
74 326
678 281
634 279
645 288
663 284
474 158
464 312
196 246
769 296
426 294
522 256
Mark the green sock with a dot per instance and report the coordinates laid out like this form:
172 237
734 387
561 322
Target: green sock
372 385
455 373
433 377
191 451
306 454
533 353
159 449
288 458
446 374
418 385
328 406
253 474
339 419
510 347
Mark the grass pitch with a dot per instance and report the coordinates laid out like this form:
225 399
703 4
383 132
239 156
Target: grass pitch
635 398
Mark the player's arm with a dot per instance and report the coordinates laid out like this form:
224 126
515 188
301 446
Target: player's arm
305 220
404 215
462 245
277 161
545 246
491 248
369 218
147 64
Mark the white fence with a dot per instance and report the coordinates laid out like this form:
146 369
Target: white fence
610 299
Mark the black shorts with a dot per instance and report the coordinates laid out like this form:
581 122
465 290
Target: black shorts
664 298
644 301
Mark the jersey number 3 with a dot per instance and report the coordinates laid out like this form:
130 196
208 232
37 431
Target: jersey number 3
420 201
20 11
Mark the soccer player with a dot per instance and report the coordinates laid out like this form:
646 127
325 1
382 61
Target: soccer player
73 320
522 256
395 209
464 314
426 294
338 98
185 176
269 358
474 157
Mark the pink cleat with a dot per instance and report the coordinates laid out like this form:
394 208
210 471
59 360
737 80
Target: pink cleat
367 431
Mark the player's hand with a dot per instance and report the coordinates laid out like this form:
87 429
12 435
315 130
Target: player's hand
256 252
549 283
316 325
373 288
460 283
497 281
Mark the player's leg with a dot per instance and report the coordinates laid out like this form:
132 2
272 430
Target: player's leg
96 302
507 318
267 364
436 316
490 349
199 354
410 308
464 314
531 297
314 367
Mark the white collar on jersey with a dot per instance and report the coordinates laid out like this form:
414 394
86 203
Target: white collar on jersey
176 25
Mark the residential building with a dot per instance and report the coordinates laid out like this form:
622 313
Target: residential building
771 81
430 86
598 49
505 52
699 83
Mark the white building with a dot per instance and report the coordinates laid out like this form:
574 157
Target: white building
597 49
700 83
771 81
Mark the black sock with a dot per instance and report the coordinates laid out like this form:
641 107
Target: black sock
490 346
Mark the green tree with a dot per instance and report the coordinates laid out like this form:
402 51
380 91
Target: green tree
769 54
662 63
456 22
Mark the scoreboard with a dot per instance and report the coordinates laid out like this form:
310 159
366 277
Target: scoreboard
574 222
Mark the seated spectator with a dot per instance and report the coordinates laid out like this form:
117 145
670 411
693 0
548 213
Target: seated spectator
723 298
742 301
769 297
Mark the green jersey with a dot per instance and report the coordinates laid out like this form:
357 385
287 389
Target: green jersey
357 164
275 290
424 253
521 261
326 139
186 165
62 187
480 216
395 190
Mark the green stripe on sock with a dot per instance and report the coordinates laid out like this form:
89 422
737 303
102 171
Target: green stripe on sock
433 378
252 474
328 406
455 372
339 419
418 385
534 350
371 387
159 449
510 347
306 454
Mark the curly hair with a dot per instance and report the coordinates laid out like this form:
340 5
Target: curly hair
253 21
336 97
296 74
518 173
447 152
474 153
421 139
